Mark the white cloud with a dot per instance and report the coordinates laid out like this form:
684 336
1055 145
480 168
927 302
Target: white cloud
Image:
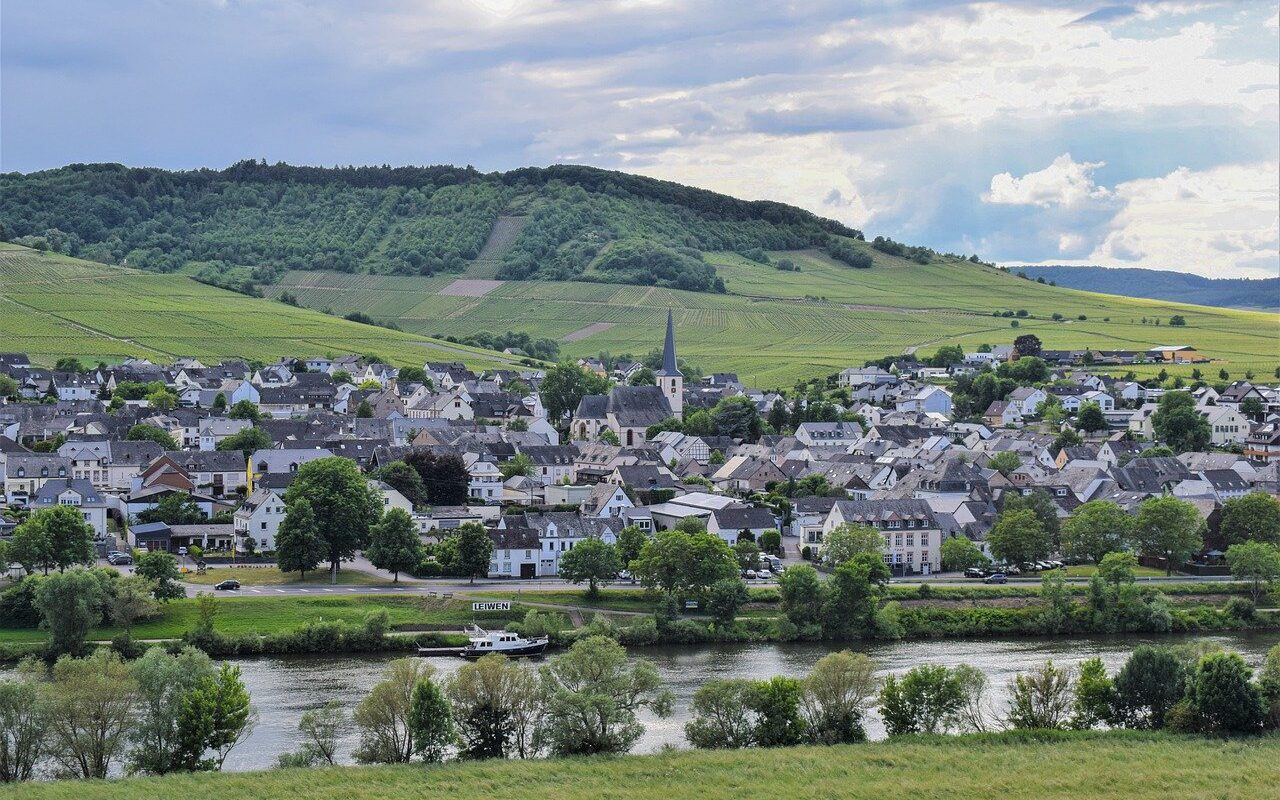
1065 182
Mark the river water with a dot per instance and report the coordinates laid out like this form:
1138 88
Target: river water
283 688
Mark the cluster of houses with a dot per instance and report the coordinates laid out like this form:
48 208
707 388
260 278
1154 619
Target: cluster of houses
907 468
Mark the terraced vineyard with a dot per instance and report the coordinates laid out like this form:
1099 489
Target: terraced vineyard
774 327
52 306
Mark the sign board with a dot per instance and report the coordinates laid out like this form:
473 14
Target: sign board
500 605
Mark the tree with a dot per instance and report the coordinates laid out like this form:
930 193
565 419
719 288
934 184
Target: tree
835 697
445 477
643 377
364 410
299 547
1147 686
1255 562
56 537
1004 462
975 710
1118 568
519 465
1169 528
1090 417
747 553
89 713
1254 517
924 700
162 569
1045 508
162 399
1222 696
129 600
321 729
474 550
151 433
593 694
959 553
383 715
220 402
685 564
247 441
737 418
776 703
591 560
342 497
8 386
1028 344
245 409
801 594
405 480
1178 423
853 595
23 729
1095 529
1065 438
848 540
725 597
175 508
1018 538
213 718
1041 699
162 681
496 706
1095 696
565 386
778 416
771 542
430 721
631 541
70 604
722 718
394 544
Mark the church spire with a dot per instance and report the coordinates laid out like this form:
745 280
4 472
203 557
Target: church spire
669 366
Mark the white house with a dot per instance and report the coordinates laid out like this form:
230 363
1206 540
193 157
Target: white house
259 517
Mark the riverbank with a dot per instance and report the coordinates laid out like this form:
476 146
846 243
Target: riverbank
1128 765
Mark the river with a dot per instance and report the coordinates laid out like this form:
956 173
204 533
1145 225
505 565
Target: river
284 687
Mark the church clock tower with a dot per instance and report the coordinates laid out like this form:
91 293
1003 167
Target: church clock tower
669 378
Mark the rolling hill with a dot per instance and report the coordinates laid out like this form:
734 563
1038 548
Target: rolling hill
1156 284
53 306
590 258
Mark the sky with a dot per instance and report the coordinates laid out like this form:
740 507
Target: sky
1051 132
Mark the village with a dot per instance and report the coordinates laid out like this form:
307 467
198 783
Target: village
196 459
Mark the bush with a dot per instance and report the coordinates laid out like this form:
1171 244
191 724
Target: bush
1240 608
17 605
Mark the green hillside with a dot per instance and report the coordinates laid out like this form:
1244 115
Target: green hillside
773 327
1116 766
53 306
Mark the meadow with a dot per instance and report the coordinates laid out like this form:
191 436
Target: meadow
1128 765
53 306
774 327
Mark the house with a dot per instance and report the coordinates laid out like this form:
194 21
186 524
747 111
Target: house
606 500
1264 444
517 553
732 522
78 494
828 434
559 532
1003 414
1176 354
280 462
929 400
1027 399
259 518
858 376
485 479
808 515
213 430
912 534
746 474
25 474
551 463
1227 424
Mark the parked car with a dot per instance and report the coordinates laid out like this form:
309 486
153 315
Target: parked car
118 559
975 572
764 575
996 577
750 574
229 584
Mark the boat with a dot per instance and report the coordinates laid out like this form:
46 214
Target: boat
513 645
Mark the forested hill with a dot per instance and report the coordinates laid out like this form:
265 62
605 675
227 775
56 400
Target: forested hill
249 223
1263 293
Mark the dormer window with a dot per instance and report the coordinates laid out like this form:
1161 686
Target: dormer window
22 472
44 472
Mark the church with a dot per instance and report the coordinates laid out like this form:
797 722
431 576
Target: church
629 411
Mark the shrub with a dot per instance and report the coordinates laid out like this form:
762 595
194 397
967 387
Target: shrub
1240 608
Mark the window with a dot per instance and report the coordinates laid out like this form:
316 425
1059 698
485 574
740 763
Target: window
911 540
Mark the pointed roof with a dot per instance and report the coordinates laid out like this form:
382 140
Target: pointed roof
669 367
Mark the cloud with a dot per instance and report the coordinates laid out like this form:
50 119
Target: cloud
1065 182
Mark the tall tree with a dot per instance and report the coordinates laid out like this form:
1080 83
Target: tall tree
23 728
56 537
1178 423
162 680
848 540
1095 529
394 543
1254 517
1255 562
1169 528
383 715
71 604
213 718
405 480
474 550
565 386
592 561
151 433
1018 537
685 564
299 547
90 712
162 569
430 721
341 496
836 695
496 706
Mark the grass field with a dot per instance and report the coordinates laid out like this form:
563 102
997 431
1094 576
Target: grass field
237 615
270 576
773 327
53 306
1131 767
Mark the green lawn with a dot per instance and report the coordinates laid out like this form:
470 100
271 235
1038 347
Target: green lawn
1098 766
270 576
773 327
1089 570
240 614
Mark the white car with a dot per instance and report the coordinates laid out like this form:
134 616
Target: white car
764 575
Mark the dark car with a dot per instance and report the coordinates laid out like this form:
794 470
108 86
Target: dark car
997 577
975 572
227 585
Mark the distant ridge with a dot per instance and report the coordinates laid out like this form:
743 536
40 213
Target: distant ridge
1156 284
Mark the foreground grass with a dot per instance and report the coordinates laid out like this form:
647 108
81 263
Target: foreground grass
264 576
1089 570
240 615
1115 765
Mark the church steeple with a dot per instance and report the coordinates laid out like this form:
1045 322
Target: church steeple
669 378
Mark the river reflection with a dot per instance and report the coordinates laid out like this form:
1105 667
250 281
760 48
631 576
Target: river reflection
283 688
